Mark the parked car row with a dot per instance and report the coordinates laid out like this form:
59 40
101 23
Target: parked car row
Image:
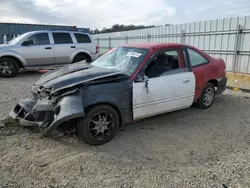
46 48
128 83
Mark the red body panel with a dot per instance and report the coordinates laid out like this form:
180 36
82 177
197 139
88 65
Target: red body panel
203 73
214 69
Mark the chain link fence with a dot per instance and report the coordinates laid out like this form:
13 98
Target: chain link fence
227 38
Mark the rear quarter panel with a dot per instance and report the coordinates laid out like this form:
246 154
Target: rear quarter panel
203 74
215 68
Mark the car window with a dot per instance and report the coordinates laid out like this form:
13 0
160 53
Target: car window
196 58
163 64
125 59
40 39
62 38
82 38
17 39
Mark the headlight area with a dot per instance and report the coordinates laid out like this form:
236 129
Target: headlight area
48 110
41 92
57 110
54 109
69 107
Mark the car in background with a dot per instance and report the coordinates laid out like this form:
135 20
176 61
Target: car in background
38 49
128 83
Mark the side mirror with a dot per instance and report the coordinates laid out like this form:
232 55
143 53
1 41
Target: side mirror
141 78
27 43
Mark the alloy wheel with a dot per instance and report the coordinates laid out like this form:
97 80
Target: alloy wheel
6 68
208 96
101 125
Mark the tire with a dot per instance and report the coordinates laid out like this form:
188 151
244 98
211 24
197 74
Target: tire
8 67
206 103
81 57
93 131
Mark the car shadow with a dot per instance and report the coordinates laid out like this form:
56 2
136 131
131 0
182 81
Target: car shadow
25 74
29 73
186 137
172 122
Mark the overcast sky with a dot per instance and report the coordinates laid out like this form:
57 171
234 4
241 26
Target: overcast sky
104 13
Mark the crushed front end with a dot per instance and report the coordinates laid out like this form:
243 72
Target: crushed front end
48 110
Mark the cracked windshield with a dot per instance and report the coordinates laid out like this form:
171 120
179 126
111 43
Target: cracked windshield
122 58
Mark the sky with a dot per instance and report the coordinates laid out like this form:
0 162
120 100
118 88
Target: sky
104 13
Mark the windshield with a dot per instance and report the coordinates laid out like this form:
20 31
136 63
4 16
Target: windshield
125 59
15 40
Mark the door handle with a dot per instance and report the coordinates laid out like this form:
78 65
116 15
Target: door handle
146 85
186 81
48 48
72 47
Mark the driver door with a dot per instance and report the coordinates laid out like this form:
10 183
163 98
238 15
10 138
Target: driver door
168 86
39 51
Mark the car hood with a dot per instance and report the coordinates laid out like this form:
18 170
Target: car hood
72 75
5 46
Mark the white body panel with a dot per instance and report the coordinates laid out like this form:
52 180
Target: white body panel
62 53
37 55
165 94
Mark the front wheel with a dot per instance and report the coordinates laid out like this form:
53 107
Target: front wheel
8 67
207 97
99 125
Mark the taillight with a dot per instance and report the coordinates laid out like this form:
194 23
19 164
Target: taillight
96 49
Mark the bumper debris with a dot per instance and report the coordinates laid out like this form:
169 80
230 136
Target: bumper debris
48 115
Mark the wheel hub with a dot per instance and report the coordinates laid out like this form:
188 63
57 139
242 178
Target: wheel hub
5 67
208 96
100 124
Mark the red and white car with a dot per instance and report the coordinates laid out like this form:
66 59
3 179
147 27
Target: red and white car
127 83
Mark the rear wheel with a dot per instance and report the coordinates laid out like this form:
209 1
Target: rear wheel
207 97
81 57
8 67
99 125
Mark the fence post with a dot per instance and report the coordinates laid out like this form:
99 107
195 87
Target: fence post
236 48
148 37
182 37
109 43
126 39
5 39
98 41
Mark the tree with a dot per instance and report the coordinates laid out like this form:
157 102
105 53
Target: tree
96 31
120 27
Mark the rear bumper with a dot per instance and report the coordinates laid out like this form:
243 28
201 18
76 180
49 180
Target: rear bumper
222 84
94 56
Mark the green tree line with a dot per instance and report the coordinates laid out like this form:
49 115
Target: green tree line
119 27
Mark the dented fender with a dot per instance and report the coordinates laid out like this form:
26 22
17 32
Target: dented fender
48 114
53 110
69 107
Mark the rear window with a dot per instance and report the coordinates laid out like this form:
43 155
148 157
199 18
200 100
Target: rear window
82 38
62 38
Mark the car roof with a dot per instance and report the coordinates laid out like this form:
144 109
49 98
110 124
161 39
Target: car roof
68 31
150 45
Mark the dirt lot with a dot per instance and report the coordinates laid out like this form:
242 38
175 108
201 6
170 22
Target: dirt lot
188 148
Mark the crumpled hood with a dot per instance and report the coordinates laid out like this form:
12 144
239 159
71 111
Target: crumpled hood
74 74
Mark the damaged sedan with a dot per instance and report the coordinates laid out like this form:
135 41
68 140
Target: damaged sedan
127 83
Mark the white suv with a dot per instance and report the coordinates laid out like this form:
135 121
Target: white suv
39 49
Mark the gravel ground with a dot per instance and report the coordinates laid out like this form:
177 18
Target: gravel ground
188 148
